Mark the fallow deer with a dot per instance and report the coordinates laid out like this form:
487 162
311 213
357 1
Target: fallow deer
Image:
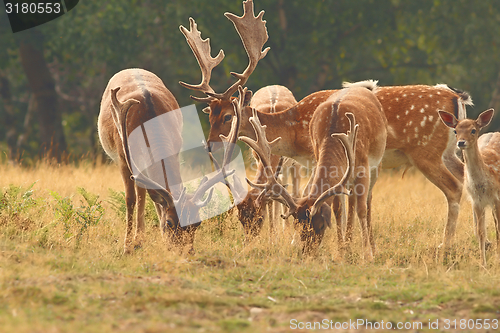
416 137
145 97
253 34
482 170
269 99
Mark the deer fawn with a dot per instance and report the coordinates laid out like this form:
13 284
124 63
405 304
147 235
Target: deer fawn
146 97
482 170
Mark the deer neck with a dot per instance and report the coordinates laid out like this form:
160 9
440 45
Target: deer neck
474 164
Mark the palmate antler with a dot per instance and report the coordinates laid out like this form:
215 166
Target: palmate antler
202 52
253 33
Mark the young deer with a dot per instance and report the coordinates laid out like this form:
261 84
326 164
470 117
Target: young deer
482 170
359 153
146 97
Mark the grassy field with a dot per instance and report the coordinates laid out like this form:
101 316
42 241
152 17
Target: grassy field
62 268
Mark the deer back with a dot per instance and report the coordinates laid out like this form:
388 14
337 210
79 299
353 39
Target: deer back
331 118
411 112
155 100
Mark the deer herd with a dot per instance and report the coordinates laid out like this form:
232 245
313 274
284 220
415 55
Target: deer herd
344 136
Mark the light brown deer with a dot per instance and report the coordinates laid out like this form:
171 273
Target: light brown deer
415 136
253 34
269 99
145 97
482 170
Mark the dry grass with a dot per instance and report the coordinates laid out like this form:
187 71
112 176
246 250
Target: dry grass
49 284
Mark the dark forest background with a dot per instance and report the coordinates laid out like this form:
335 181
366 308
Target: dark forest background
52 77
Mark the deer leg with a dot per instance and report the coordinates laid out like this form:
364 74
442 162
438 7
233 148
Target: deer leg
337 206
130 203
496 216
270 218
361 193
350 222
481 232
141 205
294 175
373 179
438 174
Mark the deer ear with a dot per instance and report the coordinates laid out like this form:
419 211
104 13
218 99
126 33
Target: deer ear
248 98
206 110
448 119
485 118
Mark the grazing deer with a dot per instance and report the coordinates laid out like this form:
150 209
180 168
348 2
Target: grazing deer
269 99
359 153
145 97
482 170
253 34
415 136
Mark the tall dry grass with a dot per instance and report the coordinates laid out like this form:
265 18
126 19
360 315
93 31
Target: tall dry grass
408 216
48 283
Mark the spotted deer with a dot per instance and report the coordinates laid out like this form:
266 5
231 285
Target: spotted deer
482 170
132 98
346 163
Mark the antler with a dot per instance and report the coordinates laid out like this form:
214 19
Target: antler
349 143
202 52
263 148
253 33
229 145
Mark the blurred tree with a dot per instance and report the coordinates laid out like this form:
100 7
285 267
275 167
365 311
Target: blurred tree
314 45
52 141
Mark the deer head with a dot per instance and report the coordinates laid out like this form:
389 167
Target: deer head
253 33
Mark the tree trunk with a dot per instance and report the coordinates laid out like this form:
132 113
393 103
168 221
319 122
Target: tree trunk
52 141
9 118
495 104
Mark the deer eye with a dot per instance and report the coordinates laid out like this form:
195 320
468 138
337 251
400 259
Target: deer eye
227 118
473 131
455 131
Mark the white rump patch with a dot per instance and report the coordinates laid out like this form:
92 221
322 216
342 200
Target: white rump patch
369 84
